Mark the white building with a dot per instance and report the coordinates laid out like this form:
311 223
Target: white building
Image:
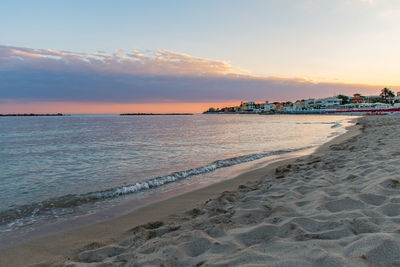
253 107
331 102
250 106
309 103
322 103
268 107
299 105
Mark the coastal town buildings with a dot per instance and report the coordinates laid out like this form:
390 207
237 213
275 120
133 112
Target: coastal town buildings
333 104
309 104
253 107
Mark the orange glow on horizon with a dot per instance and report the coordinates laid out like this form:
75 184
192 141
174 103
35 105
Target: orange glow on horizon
94 107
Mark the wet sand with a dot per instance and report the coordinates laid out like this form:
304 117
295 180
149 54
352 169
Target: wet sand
339 206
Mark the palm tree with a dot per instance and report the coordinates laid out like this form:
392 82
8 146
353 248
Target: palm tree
387 94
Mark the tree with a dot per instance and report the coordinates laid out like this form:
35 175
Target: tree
387 94
345 99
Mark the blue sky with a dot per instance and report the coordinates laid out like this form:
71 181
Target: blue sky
279 37
343 42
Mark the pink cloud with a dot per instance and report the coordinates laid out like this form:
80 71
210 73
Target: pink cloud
160 62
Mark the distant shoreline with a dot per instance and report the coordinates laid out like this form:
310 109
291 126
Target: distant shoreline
30 115
153 114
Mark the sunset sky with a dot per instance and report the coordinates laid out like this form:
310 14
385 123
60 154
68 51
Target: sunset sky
184 56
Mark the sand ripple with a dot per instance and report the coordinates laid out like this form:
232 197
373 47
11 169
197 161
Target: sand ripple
340 209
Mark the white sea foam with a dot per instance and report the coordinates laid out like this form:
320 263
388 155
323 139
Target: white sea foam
159 181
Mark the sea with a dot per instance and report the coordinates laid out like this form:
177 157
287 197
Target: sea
76 170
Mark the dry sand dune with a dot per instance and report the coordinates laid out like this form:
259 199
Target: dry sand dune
339 209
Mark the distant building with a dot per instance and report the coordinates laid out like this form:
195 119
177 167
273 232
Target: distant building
228 109
278 106
313 106
243 106
268 107
254 107
372 98
250 106
322 103
331 102
357 98
302 104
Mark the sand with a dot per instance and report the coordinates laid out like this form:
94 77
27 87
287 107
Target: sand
337 207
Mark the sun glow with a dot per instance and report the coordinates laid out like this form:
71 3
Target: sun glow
112 108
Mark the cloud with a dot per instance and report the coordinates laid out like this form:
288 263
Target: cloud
28 74
160 62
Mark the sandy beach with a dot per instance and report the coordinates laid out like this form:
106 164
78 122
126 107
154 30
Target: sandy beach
337 207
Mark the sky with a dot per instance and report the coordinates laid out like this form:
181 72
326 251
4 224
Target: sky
183 56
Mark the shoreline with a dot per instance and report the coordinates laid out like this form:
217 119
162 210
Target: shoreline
49 249
128 206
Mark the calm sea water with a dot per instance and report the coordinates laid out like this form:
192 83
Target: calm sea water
55 167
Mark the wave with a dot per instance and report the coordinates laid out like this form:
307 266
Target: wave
48 207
